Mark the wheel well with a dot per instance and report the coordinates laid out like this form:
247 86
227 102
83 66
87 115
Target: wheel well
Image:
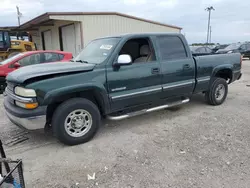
89 94
225 73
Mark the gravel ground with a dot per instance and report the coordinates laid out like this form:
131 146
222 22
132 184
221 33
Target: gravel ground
196 145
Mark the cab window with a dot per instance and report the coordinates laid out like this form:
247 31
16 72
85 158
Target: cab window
171 48
140 50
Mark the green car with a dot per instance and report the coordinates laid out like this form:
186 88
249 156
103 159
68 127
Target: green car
115 77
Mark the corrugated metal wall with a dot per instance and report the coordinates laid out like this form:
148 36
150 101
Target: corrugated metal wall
99 26
95 26
55 34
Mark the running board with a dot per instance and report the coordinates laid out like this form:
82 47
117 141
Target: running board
131 114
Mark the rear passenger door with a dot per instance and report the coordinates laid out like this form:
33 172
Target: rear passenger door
177 67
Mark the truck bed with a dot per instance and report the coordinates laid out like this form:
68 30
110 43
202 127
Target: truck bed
208 65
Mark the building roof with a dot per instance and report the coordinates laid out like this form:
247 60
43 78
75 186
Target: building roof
9 28
45 18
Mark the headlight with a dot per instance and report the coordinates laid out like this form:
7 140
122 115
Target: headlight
15 43
25 92
229 52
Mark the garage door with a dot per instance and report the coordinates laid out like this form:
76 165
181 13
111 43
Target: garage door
69 39
47 40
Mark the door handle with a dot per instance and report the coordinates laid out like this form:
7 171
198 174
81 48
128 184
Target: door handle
155 70
186 66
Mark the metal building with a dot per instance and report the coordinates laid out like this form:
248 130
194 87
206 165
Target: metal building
71 31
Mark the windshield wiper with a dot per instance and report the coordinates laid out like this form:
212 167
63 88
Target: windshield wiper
81 61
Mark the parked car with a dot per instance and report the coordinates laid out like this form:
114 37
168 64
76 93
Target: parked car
200 50
116 78
244 49
218 47
30 58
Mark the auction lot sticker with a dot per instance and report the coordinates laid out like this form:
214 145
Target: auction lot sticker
106 47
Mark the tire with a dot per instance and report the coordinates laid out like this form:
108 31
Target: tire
212 96
68 128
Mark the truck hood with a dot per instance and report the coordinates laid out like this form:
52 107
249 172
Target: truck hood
25 73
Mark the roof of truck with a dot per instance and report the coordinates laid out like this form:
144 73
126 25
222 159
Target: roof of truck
143 34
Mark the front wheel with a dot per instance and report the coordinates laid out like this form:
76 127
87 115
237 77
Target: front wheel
76 121
217 92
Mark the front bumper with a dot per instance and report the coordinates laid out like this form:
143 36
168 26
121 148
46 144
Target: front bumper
31 123
27 119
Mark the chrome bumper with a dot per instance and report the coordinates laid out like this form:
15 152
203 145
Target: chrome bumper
31 123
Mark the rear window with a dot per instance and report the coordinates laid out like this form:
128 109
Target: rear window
171 48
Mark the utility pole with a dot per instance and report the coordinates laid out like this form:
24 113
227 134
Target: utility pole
209 9
19 15
210 36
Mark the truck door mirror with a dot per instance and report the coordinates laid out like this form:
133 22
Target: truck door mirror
124 59
17 65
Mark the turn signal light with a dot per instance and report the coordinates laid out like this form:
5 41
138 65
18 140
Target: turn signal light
31 105
27 105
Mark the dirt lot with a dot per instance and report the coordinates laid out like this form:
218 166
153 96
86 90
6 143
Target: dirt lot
196 145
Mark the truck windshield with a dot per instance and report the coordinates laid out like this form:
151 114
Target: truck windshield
6 61
97 51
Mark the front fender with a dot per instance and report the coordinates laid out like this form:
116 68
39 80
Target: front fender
100 91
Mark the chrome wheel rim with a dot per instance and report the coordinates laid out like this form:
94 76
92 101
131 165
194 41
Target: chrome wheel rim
220 92
78 123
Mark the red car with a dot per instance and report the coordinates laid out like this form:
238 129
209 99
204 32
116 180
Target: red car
30 58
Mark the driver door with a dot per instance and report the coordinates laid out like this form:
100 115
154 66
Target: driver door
136 85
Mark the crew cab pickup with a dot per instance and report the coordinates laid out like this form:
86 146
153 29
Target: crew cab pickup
116 78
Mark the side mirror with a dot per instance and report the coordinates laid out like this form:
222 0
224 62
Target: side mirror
124 59
17 65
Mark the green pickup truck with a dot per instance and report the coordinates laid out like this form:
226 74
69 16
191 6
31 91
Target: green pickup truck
116 78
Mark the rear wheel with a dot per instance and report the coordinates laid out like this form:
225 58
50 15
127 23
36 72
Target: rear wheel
76 121
217 92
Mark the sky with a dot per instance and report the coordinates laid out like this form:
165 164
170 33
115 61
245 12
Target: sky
230 21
